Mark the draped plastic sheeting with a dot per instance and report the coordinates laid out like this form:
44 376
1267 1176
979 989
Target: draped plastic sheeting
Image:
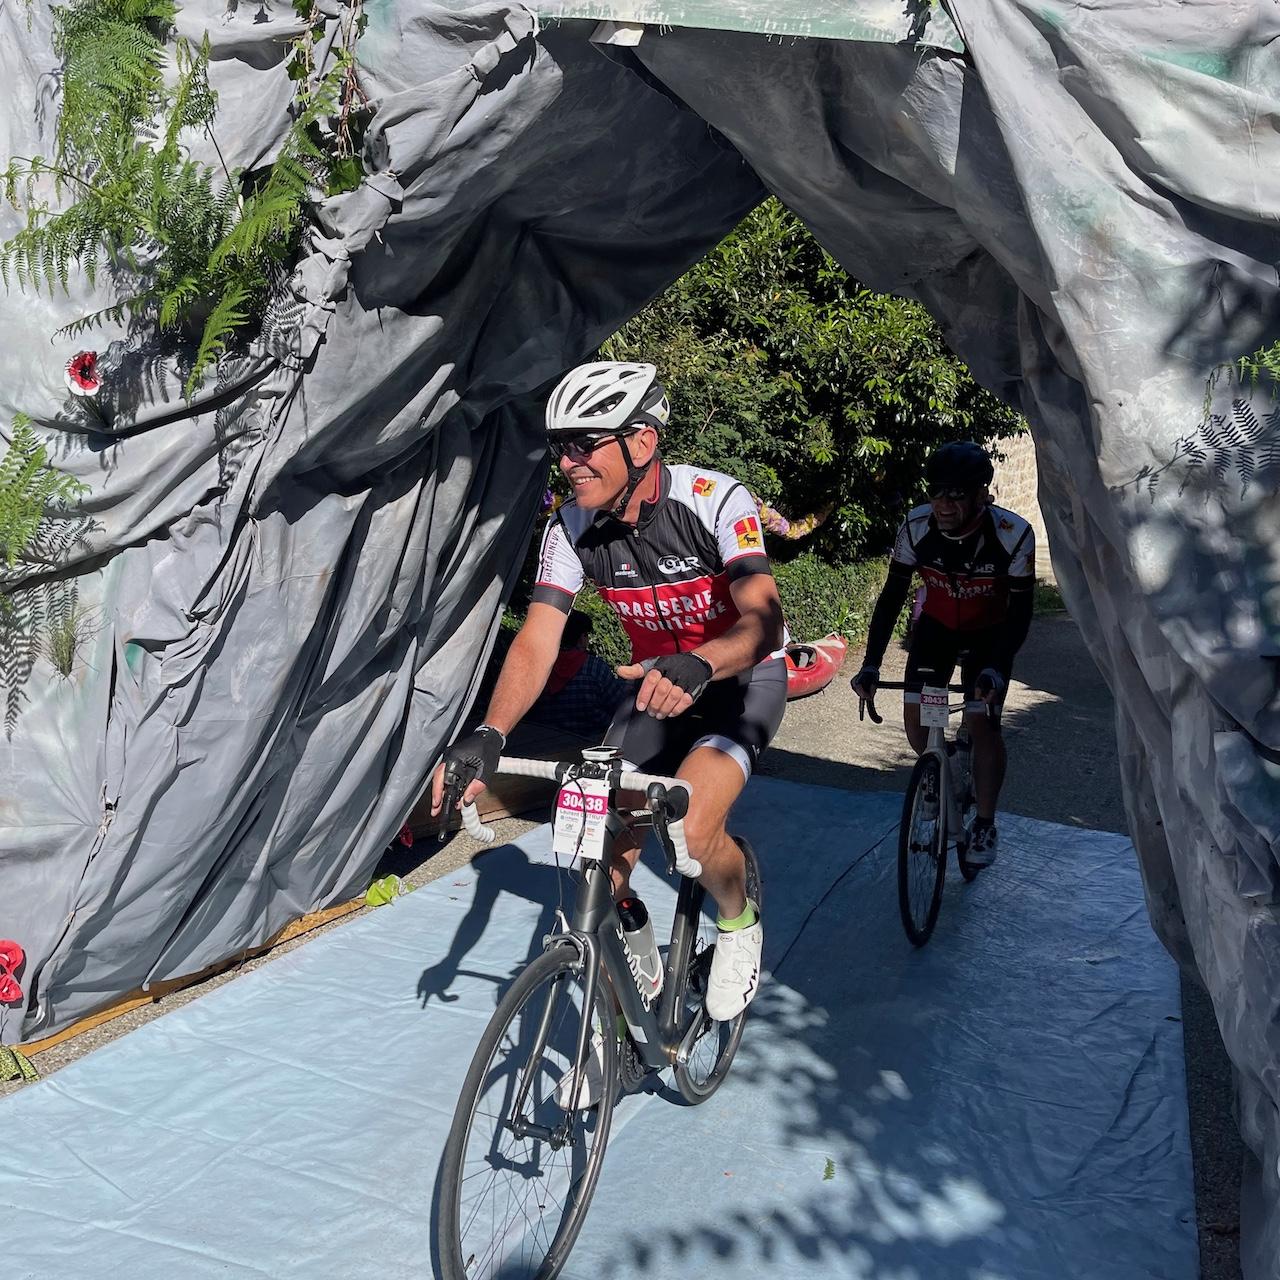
291 586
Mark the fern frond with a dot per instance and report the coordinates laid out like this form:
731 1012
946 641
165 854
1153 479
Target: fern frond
174 304
107 315
225 319
28 487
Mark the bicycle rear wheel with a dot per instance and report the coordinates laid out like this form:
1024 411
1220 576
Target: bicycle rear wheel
922 851
708 1047
512 1204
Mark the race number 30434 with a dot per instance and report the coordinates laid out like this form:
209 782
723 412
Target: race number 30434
933 708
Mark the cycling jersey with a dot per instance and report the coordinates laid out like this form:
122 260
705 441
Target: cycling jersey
668 576
967 580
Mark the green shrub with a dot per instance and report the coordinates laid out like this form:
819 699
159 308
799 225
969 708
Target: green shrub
818 597
1048 599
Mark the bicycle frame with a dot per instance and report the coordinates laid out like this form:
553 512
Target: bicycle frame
596 932
938 747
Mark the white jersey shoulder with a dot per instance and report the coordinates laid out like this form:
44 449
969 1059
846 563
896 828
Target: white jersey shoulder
913 528
1018 539
705 491
1011 528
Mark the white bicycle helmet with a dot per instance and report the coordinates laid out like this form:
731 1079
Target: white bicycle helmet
605 398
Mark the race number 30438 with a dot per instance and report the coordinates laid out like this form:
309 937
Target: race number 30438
933 708
581 808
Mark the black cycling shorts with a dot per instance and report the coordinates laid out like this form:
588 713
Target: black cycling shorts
936 649
738 716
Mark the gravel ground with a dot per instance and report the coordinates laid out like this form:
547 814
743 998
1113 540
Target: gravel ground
1062 768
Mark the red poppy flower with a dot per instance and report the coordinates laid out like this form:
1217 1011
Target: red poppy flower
11 958
82 374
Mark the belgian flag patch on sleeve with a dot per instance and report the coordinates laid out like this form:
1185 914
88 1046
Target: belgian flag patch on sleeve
747 531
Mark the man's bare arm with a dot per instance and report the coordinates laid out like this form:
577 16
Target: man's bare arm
523 677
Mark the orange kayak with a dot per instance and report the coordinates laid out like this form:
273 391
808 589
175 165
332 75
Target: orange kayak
811 667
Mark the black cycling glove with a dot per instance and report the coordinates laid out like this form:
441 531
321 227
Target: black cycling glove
686 671
868 678
475 756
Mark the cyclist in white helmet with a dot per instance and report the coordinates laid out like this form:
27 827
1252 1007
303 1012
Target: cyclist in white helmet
678 552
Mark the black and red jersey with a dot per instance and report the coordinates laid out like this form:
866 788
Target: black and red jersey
967 580
667 576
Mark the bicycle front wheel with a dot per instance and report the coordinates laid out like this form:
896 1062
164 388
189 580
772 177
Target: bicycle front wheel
708 1047
922 851
519 1169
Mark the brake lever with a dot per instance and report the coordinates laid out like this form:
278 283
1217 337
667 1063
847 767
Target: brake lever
454 786
867 707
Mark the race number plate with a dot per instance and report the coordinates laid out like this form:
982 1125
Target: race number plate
581 807
933 708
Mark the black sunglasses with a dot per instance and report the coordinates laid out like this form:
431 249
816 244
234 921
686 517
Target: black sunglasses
580 448
951 495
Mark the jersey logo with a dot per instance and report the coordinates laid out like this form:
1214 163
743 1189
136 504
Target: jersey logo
678 564
1006 525
625 570
702 486
747 531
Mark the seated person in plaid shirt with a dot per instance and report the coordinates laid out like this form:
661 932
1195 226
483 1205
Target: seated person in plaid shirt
582 693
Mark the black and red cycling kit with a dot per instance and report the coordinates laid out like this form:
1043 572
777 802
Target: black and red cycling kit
978 595
668 577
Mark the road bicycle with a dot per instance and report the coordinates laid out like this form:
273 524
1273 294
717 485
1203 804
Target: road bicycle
522 1160
938 809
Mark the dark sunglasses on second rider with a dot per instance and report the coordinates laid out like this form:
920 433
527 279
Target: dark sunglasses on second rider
580 448
950 495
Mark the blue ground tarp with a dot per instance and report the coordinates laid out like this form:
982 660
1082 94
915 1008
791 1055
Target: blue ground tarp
1007 1104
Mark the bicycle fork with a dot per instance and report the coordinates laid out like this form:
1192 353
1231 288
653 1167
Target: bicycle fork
521 1126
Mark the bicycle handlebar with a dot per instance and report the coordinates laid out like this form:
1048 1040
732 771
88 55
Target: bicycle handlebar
902 684
867 706
669 826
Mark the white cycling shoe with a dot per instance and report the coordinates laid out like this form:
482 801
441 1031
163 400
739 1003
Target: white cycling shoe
735 971
984 845
592 1085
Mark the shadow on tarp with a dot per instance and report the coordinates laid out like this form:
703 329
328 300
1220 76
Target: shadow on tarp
1007 1104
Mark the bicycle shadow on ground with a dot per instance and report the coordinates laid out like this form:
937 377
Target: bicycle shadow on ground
505 871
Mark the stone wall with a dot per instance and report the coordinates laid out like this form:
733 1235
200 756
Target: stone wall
1014 487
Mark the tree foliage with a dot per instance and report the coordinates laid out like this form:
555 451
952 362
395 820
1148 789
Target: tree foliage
816 392
190 247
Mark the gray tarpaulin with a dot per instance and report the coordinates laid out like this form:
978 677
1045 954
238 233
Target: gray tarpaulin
287 596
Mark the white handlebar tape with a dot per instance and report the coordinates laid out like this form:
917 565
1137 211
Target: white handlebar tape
476 828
